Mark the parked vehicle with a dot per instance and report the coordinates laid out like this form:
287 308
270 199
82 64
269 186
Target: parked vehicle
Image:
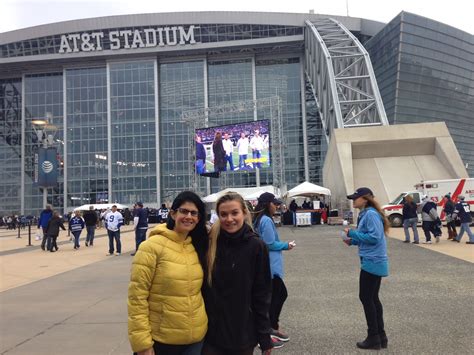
435 190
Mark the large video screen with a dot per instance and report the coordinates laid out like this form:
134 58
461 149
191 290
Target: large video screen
240 146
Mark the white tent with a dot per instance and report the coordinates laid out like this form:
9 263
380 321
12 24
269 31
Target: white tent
101 206
248 193
308 189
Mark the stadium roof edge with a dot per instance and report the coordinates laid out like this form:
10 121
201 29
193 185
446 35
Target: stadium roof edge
369 27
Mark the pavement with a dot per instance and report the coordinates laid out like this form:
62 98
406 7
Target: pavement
74 302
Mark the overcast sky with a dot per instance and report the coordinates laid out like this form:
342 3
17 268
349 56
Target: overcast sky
17 14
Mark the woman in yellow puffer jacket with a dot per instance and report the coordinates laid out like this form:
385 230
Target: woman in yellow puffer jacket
166 313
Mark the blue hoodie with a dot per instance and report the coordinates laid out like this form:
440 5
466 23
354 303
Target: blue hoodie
370 238
267 231
44 218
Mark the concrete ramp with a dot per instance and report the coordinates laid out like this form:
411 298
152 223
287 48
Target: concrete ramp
389 159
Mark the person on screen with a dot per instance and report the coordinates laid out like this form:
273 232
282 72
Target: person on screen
243 148
257 144
228 147
200 156
219 153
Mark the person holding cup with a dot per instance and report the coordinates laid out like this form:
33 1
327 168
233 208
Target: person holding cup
372 225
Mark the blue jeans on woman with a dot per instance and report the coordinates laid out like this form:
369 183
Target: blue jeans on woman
410 223
465 228
76 235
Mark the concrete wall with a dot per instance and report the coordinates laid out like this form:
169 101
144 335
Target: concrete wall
389 159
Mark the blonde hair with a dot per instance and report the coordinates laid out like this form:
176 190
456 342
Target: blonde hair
216 228
372 203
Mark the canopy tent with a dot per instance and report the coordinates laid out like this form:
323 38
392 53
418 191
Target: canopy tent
248 193
308 189
100 206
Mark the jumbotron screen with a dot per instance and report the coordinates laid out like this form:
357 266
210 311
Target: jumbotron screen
240 146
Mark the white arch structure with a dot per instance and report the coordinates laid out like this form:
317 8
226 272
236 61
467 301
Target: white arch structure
341 74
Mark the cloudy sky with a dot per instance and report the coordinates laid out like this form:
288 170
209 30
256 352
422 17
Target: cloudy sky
25 13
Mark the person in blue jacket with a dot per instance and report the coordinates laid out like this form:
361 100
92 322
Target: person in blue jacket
265 227
370 238
43 220
76 225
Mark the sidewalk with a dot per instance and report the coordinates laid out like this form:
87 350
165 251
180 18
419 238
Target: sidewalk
22 264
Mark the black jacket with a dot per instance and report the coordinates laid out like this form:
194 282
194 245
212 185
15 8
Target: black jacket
449 207
53 226
90 217
409 210
219 156
238 302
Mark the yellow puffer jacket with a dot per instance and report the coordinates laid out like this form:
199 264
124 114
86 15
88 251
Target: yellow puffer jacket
164 294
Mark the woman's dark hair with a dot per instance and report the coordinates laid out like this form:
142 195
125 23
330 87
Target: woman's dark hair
199 236
262 209
217 138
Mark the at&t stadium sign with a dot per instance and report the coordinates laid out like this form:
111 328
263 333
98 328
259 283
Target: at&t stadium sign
120 39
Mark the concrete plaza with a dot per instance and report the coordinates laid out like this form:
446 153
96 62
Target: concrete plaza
74 302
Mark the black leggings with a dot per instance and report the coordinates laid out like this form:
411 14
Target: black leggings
279 296
369 286
209 349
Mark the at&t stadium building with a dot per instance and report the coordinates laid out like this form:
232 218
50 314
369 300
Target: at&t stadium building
111 94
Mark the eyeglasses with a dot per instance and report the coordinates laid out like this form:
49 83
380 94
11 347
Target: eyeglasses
187 212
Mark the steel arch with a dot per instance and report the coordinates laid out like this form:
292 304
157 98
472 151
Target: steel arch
341 74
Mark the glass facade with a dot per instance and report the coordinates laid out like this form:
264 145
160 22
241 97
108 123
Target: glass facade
282 77
87 153
43 100
181 89
10 145
425 73
133 137
230 81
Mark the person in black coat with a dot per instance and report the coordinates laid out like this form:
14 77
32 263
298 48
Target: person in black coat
219 153
91 220
237 289
450 221
52 231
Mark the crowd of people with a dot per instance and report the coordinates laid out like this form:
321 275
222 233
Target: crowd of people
455 213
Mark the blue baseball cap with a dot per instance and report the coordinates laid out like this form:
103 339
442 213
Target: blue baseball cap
361 191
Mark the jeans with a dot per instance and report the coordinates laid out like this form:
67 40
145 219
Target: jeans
257 154
45 238
369 287
279 296
465 228
51 242
242 159
427 227
90 234
228 159
410 223
140 236
76 235
114 235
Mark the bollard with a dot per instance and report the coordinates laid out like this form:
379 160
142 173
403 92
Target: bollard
18 231
29 235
